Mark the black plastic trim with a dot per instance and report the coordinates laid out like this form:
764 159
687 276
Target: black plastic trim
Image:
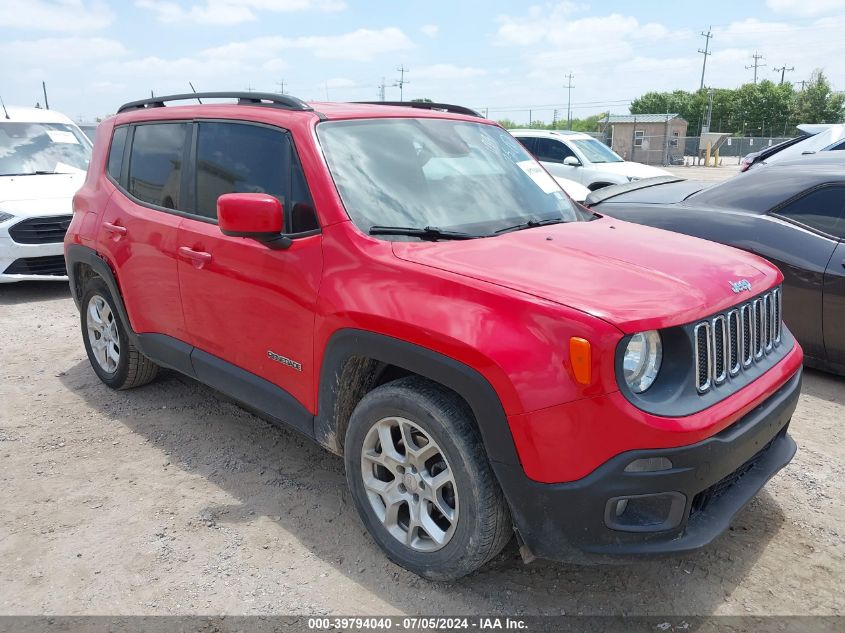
424 105
265 99
566 522
465 381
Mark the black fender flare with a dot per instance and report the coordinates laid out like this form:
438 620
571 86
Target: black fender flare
346 344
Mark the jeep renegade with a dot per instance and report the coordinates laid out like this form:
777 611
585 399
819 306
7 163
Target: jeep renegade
411 289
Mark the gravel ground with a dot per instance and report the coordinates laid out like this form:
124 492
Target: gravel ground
171 500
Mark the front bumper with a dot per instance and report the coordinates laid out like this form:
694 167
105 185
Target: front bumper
31 261
696 498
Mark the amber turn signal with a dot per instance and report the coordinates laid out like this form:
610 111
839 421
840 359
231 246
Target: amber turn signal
582 360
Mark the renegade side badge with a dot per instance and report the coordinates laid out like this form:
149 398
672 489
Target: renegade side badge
283 360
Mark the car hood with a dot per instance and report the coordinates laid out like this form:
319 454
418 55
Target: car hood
630 170
47 194
635 277
647 191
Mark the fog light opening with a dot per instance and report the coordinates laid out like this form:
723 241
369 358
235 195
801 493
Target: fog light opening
621 506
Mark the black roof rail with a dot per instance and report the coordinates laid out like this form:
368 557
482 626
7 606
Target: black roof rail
267 99
424 105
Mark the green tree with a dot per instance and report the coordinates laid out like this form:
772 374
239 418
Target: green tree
818 103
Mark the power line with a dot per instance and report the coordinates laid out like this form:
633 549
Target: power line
705 52
783 70
569 87
756 57
402 81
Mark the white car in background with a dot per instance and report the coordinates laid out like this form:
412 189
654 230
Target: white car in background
582 158
574 190
43 162
816 137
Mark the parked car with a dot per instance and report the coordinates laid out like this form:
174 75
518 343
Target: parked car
792 213
822 137
411 289
574 190
89 130
43 158
582 158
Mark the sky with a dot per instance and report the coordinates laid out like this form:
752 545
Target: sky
507 59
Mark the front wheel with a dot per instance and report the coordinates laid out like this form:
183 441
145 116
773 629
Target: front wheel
421 480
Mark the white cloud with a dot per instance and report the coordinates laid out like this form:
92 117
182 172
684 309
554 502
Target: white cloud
807 8
60 52
56 15
447 71
227 12
430 30
340 82
359 45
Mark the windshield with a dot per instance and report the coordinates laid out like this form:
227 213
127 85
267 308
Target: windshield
453 175
30 148
596 151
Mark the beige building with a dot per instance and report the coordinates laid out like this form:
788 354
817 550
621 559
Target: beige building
653 139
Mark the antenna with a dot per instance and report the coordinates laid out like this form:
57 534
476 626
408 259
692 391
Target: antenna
5 111
44 88
194 90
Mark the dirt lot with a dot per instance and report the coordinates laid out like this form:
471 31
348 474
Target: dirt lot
168 499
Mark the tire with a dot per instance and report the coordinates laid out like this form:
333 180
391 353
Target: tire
131 368
480 524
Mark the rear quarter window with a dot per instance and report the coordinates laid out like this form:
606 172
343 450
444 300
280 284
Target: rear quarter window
118 145
821 209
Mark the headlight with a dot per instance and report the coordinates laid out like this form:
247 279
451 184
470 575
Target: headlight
642 360
5 216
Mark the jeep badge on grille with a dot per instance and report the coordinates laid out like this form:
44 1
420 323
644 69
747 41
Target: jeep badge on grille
739 286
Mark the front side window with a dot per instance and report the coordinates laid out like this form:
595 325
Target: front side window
453 175
238 158
27 149
552 151
597 152
822 210
155 163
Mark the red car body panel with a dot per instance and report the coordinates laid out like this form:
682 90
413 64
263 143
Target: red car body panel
504 306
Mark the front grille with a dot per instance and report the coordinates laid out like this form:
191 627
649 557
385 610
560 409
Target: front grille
40 230
729 343
53 265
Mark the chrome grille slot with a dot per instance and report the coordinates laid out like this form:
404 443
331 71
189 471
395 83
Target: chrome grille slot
734 343
704 359
747 335
720 350
729 343
759 328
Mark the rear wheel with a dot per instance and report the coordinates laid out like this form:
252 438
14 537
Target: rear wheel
117 362
421 480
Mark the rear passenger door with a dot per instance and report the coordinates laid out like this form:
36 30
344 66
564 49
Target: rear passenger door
249 305
139 226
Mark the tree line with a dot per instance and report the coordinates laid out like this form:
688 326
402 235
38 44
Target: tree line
763 109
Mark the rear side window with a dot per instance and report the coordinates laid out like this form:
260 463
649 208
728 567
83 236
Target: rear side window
155 163
822 209
118 144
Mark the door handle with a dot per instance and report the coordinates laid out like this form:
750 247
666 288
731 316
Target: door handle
198 258
115 229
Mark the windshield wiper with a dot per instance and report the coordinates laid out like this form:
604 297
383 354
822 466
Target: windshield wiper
530 224
424 233
37 172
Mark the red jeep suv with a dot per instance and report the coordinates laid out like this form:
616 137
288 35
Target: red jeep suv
411 289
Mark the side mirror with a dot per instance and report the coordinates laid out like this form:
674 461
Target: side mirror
255 215
571 161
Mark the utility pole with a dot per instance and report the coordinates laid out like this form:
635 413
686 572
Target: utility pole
249 88
381 88
783 70
705 52
756 57
44 88
402 81
554 119
569 87
281 85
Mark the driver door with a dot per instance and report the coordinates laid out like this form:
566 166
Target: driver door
552 153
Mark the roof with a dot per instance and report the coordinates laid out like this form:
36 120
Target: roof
642 118
34 115
550 133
